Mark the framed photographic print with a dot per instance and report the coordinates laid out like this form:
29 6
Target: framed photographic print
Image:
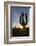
19 22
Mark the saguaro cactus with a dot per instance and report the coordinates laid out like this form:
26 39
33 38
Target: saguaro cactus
23 19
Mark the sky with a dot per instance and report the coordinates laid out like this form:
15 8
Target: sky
16 13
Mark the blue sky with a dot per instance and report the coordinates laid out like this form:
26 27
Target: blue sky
16 13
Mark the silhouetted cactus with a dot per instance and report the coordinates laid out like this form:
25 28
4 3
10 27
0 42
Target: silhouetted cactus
22 20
